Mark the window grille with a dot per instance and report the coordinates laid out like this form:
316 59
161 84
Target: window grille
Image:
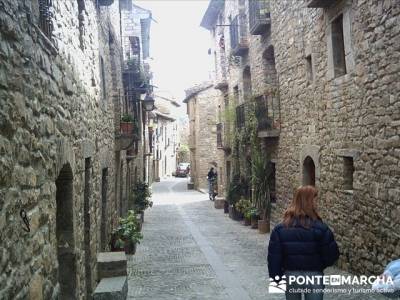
45 17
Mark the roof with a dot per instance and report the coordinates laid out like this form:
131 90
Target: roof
193 91
164 116
173 102
211 15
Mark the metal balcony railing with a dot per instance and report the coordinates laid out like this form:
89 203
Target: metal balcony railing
259 16
267 114
264 121
238 35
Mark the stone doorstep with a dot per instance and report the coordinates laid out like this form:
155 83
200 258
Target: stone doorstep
219 202
113 288
111 264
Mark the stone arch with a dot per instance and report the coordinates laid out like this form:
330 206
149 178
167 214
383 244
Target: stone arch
308 171
269 64
309 165
65 233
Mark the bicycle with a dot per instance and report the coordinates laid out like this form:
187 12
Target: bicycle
212 191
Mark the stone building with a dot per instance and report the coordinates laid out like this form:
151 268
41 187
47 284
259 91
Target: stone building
135 28
63 158
202 102
165 143
323 76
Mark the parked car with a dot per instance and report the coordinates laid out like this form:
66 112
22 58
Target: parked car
182 170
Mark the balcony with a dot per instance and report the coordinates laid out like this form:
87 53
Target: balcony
267 115
259 16
127 132
105 2
240 116
320 3
227 139
127 138
238 35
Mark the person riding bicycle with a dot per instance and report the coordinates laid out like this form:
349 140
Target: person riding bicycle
212 178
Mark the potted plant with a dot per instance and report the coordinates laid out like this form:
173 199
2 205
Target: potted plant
127 124
127 235
261 172
242 206
233 196
141 199
254 217
247 217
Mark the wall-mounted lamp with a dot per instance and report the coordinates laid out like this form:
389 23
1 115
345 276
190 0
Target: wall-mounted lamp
148 103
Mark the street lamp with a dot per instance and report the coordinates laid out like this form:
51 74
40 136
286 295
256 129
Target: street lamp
148 103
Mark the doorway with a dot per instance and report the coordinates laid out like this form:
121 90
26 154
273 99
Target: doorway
104 191
65 234
86 225
308 171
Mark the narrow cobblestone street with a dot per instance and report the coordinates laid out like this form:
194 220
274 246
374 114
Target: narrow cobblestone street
192 251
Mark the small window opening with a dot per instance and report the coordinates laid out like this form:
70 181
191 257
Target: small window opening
81 23
309 69
103 77
339 61
45 16
348 170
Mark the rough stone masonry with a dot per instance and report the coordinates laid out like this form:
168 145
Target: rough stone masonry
336 71
58 160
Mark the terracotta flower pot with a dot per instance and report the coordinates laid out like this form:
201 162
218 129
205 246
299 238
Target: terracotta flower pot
263 226
238 216
254 222
127 127
231 211
226 207
129 247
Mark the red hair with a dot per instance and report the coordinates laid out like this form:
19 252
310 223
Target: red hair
302 208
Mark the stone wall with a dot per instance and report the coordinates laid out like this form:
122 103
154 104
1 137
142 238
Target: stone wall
336 119
346 125
54 117
202 110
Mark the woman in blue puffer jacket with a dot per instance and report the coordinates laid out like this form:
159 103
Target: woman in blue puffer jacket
302 245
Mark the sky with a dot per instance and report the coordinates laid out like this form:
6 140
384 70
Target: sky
178 45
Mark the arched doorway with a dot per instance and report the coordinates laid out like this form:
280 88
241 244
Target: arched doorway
308 171
65 234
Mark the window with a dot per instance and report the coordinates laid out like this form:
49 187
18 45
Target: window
81 22
103 77
339 61
348 171
309 69
45 16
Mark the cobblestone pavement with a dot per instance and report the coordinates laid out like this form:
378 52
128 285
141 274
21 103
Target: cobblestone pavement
192 251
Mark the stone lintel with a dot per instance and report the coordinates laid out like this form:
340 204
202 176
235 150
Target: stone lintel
354 153
273 133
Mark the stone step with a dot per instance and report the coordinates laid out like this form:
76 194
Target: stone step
113 288
111 264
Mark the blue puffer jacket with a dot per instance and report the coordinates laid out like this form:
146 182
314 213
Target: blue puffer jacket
297 248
